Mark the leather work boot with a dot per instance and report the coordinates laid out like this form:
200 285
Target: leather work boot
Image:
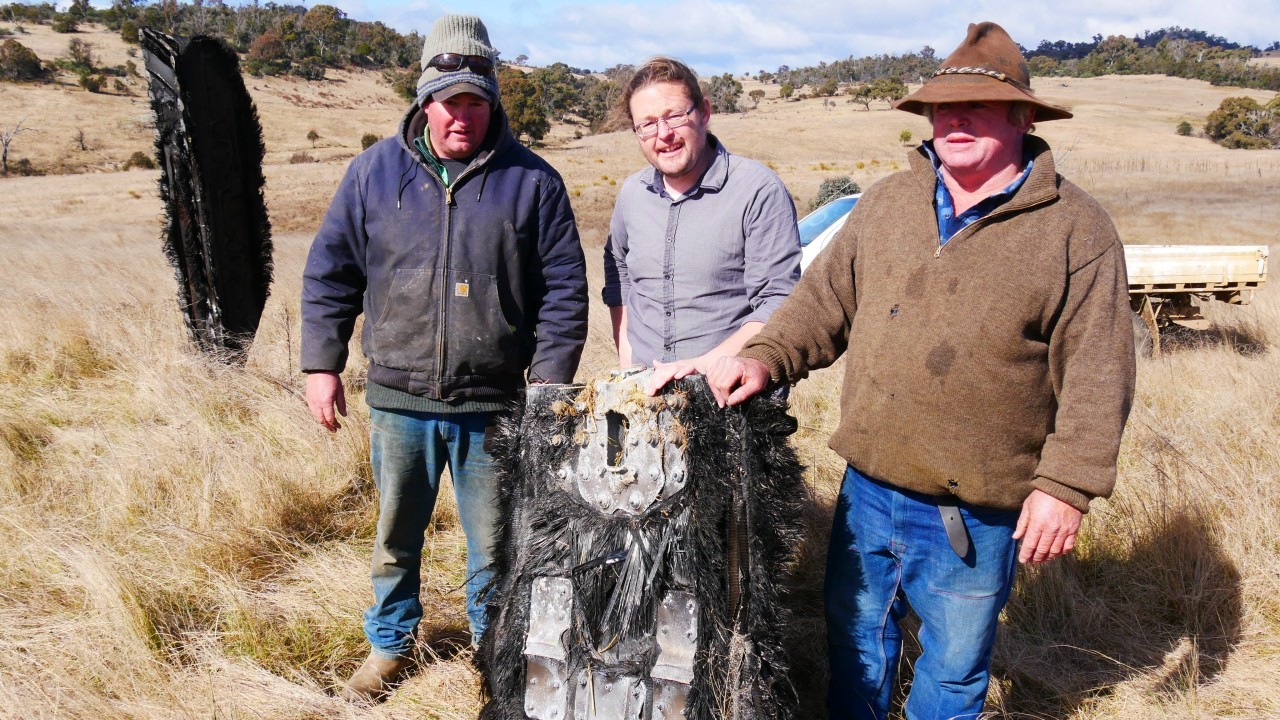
374 679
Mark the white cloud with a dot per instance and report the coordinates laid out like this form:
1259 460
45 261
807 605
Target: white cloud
716 36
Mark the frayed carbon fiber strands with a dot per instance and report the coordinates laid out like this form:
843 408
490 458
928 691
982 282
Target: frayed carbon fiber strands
640 565
210 149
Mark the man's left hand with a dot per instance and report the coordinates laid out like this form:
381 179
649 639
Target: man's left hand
1047 528
664 373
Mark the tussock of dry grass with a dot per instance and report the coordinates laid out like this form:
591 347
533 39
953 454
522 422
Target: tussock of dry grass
183 541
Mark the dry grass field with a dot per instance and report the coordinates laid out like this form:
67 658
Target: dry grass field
182 540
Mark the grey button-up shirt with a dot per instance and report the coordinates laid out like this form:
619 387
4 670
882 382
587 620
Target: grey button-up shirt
690 272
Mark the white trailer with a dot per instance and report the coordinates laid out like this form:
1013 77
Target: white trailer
1170 283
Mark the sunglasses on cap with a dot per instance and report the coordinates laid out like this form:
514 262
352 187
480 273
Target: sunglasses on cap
453 62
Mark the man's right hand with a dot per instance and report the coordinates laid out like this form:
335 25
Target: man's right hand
734 380
324 392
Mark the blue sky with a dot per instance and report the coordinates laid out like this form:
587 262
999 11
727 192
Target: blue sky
737 36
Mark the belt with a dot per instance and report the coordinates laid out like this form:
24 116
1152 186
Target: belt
957 533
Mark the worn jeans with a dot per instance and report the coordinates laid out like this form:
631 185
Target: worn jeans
409 451
889 549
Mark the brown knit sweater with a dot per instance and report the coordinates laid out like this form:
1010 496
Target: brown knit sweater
998 363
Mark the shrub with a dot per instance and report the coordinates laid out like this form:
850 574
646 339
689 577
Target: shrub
1240 122
81 54
523 102
308 68
313 136
92 83
65 23
367 140
18 62
120 87
723 92
404 81
22 167
1240 140
129 32
267 48
301 158
904 137
833 188
139 159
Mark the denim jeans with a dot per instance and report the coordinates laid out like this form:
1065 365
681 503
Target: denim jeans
889 550
409 451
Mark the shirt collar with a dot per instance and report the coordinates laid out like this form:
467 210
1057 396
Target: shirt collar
950 223
713 178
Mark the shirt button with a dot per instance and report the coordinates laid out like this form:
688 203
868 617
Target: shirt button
668 313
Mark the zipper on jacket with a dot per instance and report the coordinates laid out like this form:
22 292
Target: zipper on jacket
444 287
980 221
441 360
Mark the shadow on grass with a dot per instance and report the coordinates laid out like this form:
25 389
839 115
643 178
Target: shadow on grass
442 643
806 634
1158 598
1246 339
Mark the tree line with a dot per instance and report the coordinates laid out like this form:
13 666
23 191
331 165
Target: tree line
274 38
1173 51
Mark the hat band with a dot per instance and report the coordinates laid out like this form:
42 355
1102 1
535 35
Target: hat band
982 71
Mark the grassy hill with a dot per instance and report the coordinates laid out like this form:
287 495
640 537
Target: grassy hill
183 541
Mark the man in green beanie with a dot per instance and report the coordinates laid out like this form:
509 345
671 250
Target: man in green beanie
981 303
459 247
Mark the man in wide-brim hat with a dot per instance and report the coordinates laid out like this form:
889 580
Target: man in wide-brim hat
982 302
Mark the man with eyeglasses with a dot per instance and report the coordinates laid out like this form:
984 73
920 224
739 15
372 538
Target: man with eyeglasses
703 244
459 246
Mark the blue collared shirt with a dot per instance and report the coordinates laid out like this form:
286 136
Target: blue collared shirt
949 223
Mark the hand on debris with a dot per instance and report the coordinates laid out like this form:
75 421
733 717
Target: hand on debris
1047 528
734 380
664 373
324 392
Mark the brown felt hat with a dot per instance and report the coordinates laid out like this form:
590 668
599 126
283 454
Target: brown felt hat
987 66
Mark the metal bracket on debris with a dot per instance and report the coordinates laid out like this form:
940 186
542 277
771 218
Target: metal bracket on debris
677 634
610 697
547 686
632 452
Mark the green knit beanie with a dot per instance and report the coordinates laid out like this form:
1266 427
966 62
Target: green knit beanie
465 35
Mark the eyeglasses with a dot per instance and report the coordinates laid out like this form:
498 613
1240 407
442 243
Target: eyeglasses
650 129
453 62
